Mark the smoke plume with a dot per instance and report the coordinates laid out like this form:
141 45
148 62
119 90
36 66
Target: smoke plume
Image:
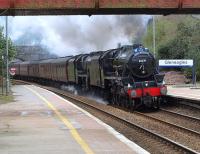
70 35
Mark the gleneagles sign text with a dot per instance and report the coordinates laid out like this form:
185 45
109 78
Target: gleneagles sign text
176 62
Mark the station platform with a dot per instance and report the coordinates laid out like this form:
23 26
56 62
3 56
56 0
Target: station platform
191 93
41 122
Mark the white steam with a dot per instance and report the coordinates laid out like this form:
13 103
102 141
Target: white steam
70 88
70 35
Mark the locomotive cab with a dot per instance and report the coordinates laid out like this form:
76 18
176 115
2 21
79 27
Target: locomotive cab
81 70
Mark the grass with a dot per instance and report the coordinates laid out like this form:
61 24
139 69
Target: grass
6 99
3 98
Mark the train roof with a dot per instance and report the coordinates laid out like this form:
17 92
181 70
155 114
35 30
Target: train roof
124 47
60 60
34 62
96 53
25 62
16 61
45 61
77 57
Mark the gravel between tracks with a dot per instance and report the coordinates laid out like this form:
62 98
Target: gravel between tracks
183 109
178 120
187 139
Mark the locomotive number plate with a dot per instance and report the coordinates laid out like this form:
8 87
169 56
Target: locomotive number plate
142 60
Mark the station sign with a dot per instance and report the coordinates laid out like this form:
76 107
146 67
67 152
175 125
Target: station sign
12 71
180 63
176 63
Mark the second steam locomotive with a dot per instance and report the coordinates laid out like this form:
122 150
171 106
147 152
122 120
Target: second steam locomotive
127 76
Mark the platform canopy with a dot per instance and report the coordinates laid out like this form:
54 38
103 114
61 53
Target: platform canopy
92 7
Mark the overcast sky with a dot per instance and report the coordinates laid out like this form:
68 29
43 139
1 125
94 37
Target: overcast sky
66 35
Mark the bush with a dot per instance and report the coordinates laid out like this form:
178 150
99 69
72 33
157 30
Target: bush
184 43
11 50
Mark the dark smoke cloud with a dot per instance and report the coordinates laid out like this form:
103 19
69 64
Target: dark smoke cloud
100 32
66 35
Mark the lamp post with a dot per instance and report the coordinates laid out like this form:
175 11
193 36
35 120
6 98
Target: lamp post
154 37
2 82
7 60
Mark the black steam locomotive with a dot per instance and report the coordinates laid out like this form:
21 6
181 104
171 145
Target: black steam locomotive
127 75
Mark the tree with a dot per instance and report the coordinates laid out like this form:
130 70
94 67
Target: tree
11 49
178 37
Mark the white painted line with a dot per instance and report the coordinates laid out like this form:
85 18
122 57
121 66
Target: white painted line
136 148
185 93
86 148
188 96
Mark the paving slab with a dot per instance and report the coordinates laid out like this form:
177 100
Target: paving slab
184 92
41 122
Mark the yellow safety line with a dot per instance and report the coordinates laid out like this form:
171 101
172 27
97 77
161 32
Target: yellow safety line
73 131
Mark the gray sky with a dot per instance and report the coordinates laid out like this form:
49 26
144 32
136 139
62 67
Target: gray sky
66 35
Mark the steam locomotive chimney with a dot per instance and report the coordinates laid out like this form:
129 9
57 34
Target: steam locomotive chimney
119 45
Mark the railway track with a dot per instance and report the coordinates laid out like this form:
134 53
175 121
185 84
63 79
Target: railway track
192 118
175 126
182 110
183 101
155 139
177 120
172 144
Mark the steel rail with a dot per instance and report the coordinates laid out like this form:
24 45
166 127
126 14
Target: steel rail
130 124
184 101
169 124
181 115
